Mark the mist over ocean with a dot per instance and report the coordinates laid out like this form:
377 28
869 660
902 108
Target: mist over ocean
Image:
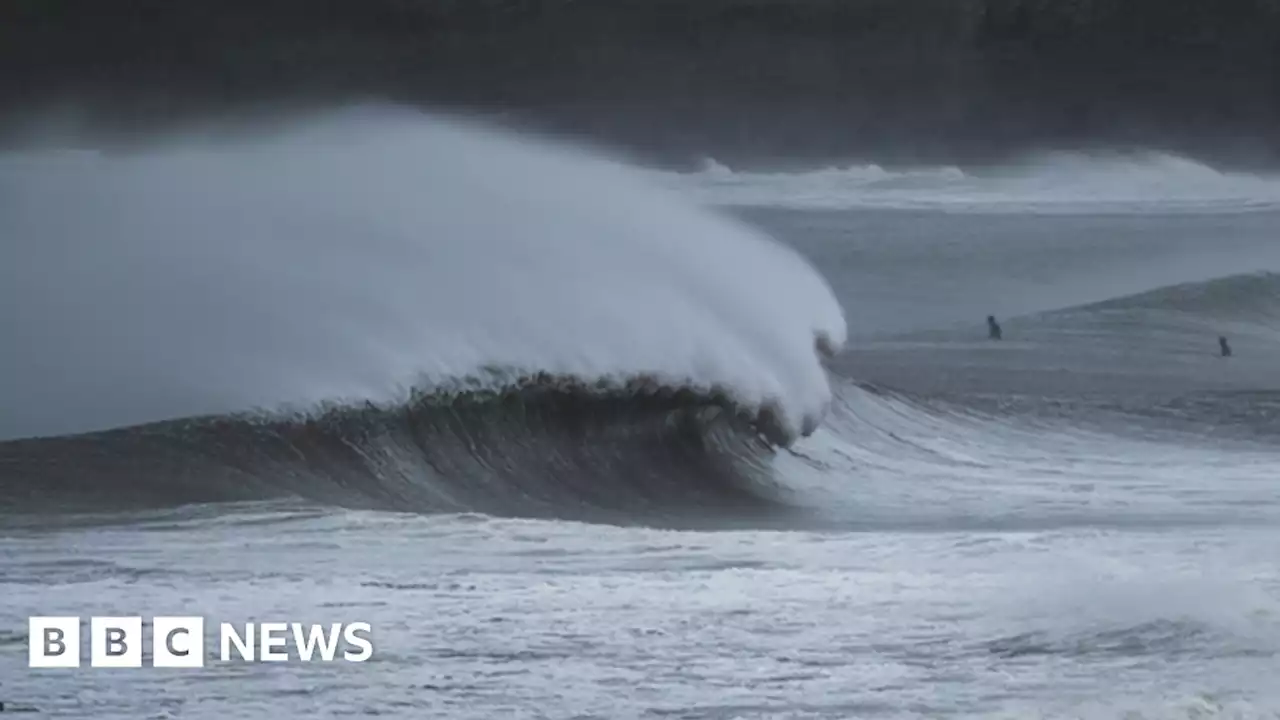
631 360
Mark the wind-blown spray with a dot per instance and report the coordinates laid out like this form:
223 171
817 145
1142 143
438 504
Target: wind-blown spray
359 256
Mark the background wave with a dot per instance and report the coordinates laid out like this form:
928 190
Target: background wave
1144 364
1044 183
1246 298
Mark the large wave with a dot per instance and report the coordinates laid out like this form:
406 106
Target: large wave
1139 388
376 308
368 254
1043 183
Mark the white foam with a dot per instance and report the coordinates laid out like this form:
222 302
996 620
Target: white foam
354 255
1047 183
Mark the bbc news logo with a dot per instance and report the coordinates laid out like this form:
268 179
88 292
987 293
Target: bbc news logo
179 642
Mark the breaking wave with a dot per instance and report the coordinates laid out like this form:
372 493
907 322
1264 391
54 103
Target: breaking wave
379 308
644 451
1048 183
371 253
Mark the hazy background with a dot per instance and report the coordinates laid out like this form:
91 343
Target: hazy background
763 81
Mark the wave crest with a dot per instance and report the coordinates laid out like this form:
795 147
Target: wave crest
350 257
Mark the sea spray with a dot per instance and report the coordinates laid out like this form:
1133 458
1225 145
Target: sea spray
363 255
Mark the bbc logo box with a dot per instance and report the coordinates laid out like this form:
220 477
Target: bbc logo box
179 642
176 642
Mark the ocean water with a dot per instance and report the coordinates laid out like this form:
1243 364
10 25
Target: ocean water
582 440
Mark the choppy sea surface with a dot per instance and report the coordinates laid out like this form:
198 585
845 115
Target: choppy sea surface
1078 520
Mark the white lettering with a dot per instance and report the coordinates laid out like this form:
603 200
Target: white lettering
328 644
243 644
364 643
272 636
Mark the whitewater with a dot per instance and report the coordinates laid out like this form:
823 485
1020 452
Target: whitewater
583 439
1051 182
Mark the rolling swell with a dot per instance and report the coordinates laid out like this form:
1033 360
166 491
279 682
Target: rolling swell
1135 363
549 447
1246 297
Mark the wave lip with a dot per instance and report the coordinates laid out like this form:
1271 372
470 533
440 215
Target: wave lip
1045 183
365 254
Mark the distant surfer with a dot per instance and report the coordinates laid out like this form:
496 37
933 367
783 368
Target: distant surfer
993 328
1222 344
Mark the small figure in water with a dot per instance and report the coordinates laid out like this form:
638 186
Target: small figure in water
993 328
1222 343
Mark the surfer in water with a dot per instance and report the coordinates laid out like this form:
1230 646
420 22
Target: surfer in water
1222 344
993 328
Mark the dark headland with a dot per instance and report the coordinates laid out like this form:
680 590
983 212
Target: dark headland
743 80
